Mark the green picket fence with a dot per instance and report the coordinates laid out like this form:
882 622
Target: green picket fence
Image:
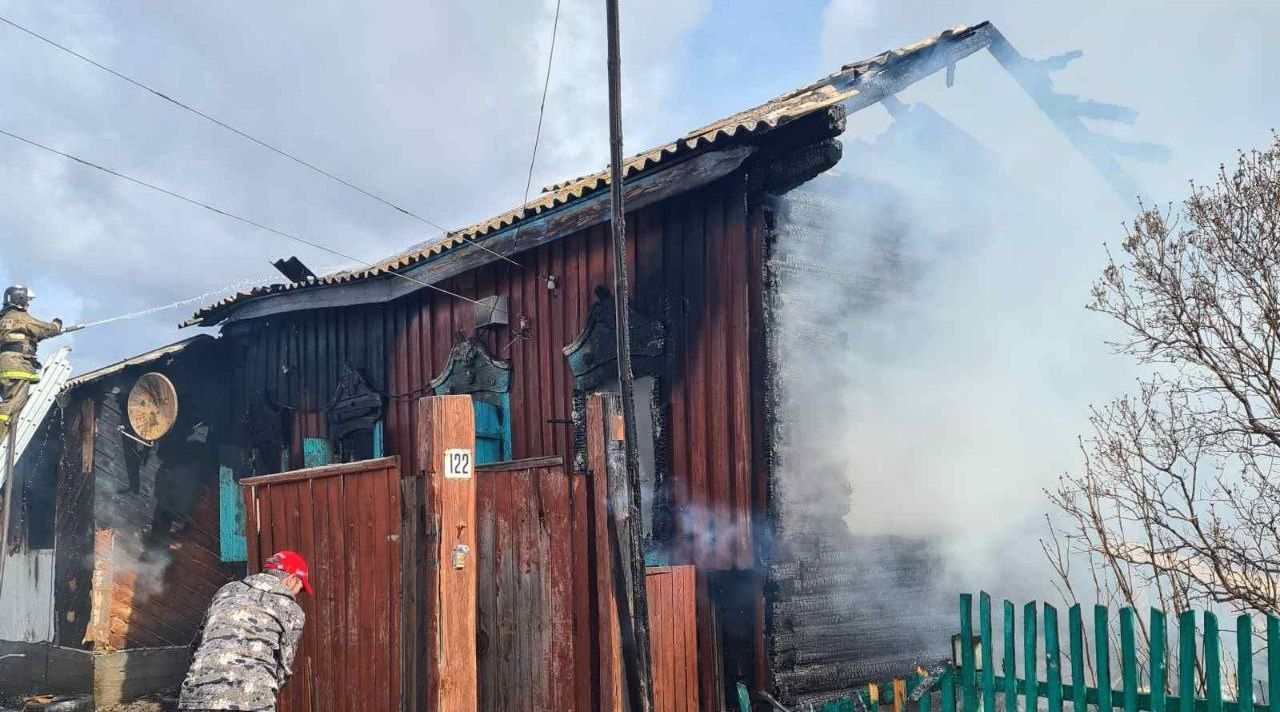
1199 658
974 682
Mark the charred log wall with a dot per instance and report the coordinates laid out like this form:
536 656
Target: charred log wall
154 525
842 610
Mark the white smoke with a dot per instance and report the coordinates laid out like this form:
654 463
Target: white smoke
935 355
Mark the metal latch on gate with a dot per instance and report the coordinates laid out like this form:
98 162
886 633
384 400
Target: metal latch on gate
460 552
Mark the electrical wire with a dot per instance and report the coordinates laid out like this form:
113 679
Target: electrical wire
542 107
228 214
279 151
186 107
537 134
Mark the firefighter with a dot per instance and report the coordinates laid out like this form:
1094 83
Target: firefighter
19 334
246 646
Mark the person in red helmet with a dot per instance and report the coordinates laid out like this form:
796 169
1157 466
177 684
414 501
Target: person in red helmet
245 649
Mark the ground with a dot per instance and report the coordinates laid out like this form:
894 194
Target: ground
159 703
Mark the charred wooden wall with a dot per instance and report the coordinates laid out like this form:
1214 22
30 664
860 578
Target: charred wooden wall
692 268
138 547
843 609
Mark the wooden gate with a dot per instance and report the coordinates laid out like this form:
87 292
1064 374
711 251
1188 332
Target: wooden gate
345 519
525 594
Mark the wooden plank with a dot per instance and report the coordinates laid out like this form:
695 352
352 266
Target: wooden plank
1075 622
1128 660
1157 674
350 633
447 425
686 640
555 514
661 650
325 581
1212 666
506 625
673 252
528 608
584 619
487 615
988 643
373 597
1029 647
553 224
334 490
608 646
1102 657
1273 662
1187 661
529 463
1010 659
947 693
1244 664
535 346
694 379
716 418
391 488
738 307
968 681
385 640
315 472
559 380
251 527
1052 659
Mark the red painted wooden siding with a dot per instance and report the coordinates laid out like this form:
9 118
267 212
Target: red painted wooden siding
533 596
692 264
346 520
673 637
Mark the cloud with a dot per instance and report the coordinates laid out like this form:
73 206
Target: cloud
431 105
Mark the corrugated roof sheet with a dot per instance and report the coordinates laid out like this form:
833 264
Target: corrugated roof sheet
824 93
139 360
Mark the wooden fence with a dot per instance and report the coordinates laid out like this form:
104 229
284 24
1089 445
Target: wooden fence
1097 677
347 520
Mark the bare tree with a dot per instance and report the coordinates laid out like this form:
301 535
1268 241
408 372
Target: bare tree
1178 502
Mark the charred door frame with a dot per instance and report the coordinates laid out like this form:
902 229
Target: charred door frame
592 358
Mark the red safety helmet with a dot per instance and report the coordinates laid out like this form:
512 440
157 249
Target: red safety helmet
292 563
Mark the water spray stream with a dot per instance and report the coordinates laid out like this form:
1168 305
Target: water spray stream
202 297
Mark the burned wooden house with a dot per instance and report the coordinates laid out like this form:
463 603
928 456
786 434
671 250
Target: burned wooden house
117 542
515 312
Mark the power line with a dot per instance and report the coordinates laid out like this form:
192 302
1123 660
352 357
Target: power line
269 147
223 124
228 214
542 108
537 134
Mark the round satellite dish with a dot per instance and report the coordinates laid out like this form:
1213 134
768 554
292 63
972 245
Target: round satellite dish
153 406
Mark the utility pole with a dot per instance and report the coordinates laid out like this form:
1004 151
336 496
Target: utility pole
630 598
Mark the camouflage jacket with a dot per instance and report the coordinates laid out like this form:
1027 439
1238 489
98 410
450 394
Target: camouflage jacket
20 332
245 649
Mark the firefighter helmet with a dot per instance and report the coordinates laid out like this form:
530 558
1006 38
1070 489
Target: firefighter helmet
18 296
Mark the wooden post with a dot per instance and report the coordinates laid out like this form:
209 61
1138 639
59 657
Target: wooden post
446 449
635 633
607 631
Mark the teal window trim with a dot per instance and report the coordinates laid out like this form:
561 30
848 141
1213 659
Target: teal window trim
231 517
493 423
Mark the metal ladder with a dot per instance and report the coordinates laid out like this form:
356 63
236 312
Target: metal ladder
56 373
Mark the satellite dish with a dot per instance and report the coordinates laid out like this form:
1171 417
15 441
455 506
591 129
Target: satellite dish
153 406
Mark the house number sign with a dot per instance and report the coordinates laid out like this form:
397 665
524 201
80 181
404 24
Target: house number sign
458 464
